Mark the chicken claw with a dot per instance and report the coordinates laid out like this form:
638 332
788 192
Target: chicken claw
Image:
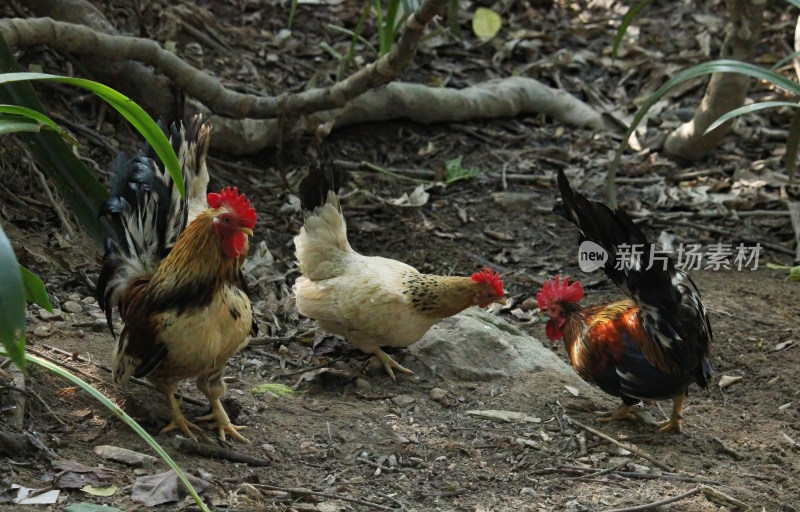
390 363
222 424
675 420
623 412
178 422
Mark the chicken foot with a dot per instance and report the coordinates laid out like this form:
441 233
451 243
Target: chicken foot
177 420
623 412
213 387
676 419
390 363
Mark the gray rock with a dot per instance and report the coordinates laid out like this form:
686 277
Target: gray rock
363 385
89 300
43 330
403 400
48 316
476 346
437 394
124 456
72 307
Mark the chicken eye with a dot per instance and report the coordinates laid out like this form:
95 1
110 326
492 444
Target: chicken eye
226 220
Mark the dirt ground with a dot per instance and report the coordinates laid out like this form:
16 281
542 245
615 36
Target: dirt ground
355 433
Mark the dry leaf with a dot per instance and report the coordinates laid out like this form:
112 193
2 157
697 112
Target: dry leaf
507 416
486 23
727 380
163 488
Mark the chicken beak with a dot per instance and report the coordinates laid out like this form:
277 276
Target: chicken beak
501 301
246 231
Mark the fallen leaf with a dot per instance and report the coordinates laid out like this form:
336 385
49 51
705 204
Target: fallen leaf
417 198
507 416
486 23
74 475
163 488
99 491
573 391
727 380
785 344
45 498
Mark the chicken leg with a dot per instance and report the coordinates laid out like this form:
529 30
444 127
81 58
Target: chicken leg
390 363
623 412
177 420
675 420
213 387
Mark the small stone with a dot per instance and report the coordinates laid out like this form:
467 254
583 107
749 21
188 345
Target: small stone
363 385
283 350
48 316
528 490
74 296
437 394
639 468
445 402
530 304
392 461
124 456
268 448
403 400
43 330
89 300
72 307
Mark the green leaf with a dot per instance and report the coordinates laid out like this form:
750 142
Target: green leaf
125 106
75 183
452 21
784 60
34 289
14 124
12 303
111 406
486 23
626 21
707 68
795 3
90 507
272 387
454 171
747 109
40 119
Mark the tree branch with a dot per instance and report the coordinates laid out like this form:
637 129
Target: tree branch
209 90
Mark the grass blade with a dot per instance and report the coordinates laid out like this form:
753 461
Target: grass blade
34 289
746 110
706 68
135 114
100 397
76 184
39 118
12 304
626 22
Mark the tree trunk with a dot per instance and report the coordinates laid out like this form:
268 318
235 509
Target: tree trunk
726 91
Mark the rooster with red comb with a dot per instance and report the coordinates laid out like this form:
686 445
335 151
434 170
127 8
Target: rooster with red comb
174 272
651 346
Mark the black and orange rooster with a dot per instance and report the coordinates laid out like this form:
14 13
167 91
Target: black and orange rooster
174 272
651 346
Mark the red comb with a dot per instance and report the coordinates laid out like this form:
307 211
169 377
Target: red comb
235 202
486 276
558 292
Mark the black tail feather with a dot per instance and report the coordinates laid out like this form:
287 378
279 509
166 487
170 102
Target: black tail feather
318 181
670 304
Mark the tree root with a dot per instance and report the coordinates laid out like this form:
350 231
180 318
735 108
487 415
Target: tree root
356 99
400 100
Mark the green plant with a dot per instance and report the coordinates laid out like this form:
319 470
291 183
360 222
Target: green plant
454 171
794 272
45 140
707 68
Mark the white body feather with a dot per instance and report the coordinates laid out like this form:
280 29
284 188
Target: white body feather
359 297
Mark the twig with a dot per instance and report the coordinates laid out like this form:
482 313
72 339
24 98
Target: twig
43 182
32 394
728 450
308 492
217 452
308 369
374 464
626 446
655 504
290 362
135 380
631 474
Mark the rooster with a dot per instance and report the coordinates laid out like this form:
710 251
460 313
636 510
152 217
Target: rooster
372 301
174 272
651 346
